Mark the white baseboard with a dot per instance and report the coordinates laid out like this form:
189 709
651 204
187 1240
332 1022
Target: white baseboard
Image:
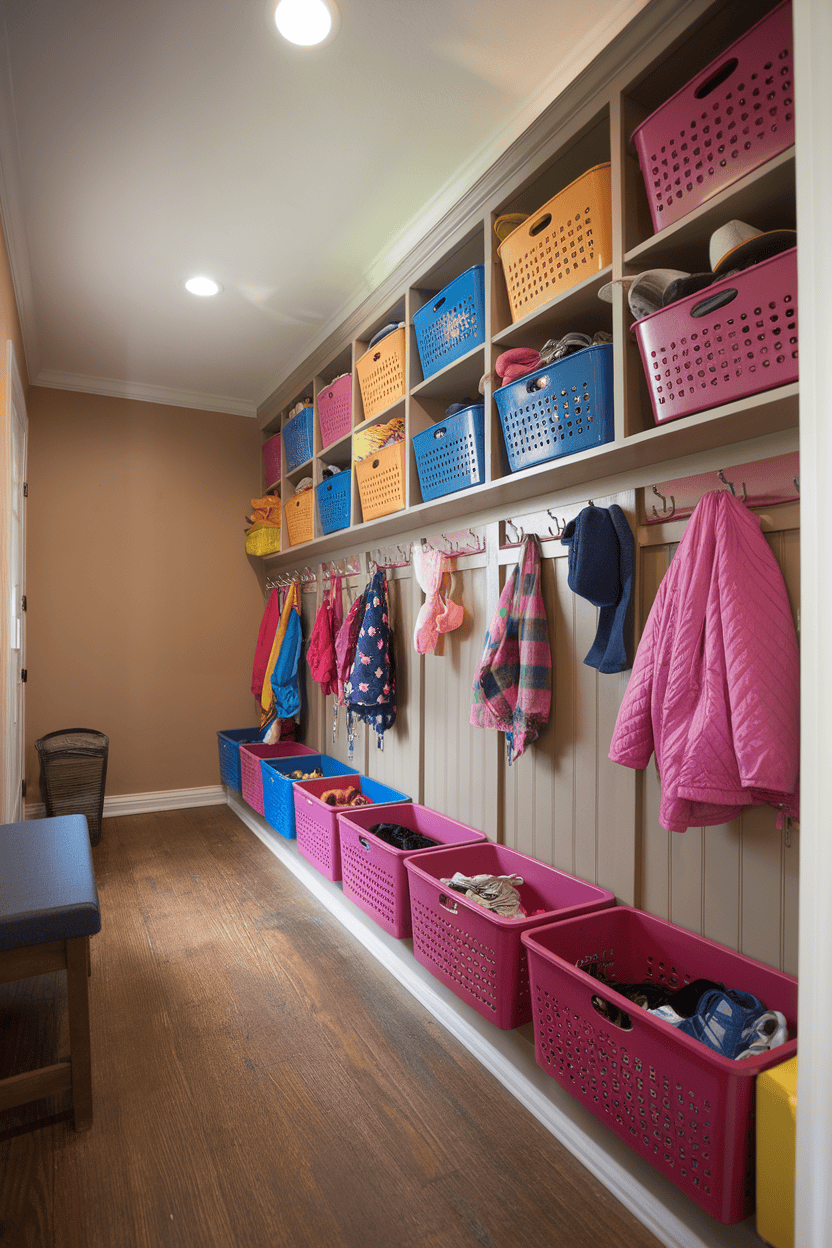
144 803
509 1056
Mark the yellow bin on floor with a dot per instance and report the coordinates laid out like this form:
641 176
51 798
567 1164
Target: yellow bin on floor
776 1112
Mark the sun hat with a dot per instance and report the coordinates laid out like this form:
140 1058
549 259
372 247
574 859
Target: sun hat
736 245
508 223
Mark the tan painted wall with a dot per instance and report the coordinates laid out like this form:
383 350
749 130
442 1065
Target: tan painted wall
143 606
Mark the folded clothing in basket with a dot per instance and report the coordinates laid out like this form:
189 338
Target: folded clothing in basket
350 796
368 442
497 893
400 837
733 1023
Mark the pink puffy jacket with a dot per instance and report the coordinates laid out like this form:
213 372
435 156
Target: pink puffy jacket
715 684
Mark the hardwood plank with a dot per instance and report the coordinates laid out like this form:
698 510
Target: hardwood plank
259 1079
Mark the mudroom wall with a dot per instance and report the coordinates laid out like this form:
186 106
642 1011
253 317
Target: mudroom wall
142 613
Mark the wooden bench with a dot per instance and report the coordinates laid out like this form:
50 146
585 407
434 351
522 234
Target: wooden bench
48 911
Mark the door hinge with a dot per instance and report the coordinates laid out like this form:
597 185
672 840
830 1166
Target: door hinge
24 675
25 489
23 603
24 788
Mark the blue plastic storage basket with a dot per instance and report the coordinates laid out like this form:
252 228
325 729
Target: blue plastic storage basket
278 789
451 455
558 410
452 323
229 741
334 501
297 439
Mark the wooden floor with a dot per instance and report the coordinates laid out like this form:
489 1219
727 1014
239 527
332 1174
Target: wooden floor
260 1081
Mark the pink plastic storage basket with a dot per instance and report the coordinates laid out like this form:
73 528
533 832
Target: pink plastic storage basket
472 950
374 873
733 339
335 410
252 776
681 1106
734 116
316 822
271 460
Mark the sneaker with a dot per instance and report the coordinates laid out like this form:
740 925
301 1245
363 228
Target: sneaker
766 1032
723 1020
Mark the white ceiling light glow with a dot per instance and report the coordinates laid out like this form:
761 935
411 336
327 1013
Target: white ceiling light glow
203 286
306 22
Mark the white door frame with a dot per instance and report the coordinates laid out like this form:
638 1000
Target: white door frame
13 629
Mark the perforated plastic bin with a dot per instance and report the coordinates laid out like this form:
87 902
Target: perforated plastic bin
381 373
278 786
316 822
297 439
300 517
680 1105
475 952
733 339
451 455
229 741
271 459
453 323
73 773
562 409
374 872
731 118
335 410
567 240
250 774
334 501
381 481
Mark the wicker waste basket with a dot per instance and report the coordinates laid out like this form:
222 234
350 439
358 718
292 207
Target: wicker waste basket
73 770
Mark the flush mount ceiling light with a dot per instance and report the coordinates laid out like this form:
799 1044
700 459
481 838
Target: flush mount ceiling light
306 22
202 286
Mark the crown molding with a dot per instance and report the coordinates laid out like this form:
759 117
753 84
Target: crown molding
144 393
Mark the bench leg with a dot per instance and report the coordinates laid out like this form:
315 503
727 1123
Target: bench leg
78 1001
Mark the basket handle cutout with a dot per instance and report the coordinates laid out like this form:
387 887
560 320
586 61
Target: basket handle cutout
363 842
539 384
439 303
447 904
612 1014
440 433
328 488
545 220
377 356
716 79
375 463
716 301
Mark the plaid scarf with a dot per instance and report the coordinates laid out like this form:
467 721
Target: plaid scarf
512 687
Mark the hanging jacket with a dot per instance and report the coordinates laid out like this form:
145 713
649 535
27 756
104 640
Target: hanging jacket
345 643
284 681
439 613
512 686
715 683
269 716
321 653
371 689
265 639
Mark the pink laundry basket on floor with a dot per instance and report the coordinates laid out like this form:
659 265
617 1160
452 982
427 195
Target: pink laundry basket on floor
251 773
681 1106
374 873
475 952
316 822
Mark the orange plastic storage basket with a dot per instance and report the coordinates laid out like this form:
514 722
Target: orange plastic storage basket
300 514
569 239
381 374
381 481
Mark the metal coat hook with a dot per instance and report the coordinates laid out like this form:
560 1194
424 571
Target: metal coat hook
664 514
560 524
514 541
797 485
730 485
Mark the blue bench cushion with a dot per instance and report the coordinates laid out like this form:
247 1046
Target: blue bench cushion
47 882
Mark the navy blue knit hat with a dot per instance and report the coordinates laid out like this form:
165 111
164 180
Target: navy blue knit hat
601 562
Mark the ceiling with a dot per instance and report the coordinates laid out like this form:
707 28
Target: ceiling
143 142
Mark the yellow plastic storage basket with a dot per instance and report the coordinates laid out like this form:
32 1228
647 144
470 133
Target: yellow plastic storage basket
569 239
381 374
300 513
381 481
262 541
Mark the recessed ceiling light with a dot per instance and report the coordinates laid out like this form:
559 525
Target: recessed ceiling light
306 22
203 286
